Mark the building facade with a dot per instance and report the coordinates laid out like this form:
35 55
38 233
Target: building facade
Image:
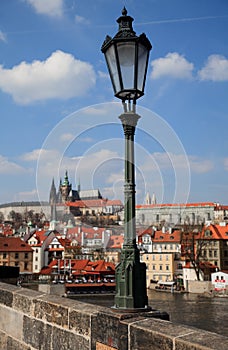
15 252
176 214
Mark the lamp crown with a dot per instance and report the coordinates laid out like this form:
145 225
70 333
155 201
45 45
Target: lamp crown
125 23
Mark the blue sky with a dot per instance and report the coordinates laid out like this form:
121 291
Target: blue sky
58 111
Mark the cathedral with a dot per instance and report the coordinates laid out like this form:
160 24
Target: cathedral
65 193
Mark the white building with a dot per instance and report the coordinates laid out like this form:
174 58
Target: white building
219 281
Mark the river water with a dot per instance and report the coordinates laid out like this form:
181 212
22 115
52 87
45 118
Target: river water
210 314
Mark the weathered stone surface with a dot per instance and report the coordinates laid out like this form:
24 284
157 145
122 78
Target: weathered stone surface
13 344
106 328
37 333
66 340
3 340
11 322
80 317
33 321
6 295
201 340
24 300
51 312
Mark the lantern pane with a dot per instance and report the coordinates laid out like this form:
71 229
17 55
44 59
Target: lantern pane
112 67
142 66
126 54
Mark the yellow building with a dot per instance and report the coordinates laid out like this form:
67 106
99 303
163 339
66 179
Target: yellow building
159 267
15 252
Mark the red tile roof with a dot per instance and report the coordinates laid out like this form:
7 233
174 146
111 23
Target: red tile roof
174 237
14 244
81 266
217 232
88 203
203 204
115 242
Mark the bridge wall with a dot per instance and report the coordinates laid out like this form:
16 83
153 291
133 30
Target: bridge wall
31 320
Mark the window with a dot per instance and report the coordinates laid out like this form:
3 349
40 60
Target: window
153 267
26 266
160 257
179 266
157 218
153 257
160 267
37 250
16 264
210 254
215 253
26 255
16 256
166 257
167 267
4 255
36 258
36 267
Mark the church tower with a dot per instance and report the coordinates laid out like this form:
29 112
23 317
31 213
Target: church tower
65 188
148 199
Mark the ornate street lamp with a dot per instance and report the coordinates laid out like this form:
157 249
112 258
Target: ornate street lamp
127 58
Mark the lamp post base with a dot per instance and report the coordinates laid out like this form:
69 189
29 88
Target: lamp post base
130 311
131 293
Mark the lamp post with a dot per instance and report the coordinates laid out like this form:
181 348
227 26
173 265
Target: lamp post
127 58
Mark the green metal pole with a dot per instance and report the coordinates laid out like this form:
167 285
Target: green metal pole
131 292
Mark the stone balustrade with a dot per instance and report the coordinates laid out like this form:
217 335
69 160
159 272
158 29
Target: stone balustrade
31 320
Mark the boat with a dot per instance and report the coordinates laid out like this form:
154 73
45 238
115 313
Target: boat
89 288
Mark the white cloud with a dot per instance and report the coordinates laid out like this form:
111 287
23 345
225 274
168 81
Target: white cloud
27 196
52 8
8 167
199 165
103 75
43 154
67 137
172 65
59 76
215 69
81 20
2 36
167 161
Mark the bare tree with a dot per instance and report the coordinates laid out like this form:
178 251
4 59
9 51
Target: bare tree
193 245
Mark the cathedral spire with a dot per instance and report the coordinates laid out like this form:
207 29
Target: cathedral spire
52 196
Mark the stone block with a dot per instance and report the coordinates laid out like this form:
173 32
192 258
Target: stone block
6 295
24 300
198 339
51 311
13 344
11 322
37 333
80 317
3 340
106 328
66 340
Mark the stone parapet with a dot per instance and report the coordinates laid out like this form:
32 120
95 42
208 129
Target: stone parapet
31 320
